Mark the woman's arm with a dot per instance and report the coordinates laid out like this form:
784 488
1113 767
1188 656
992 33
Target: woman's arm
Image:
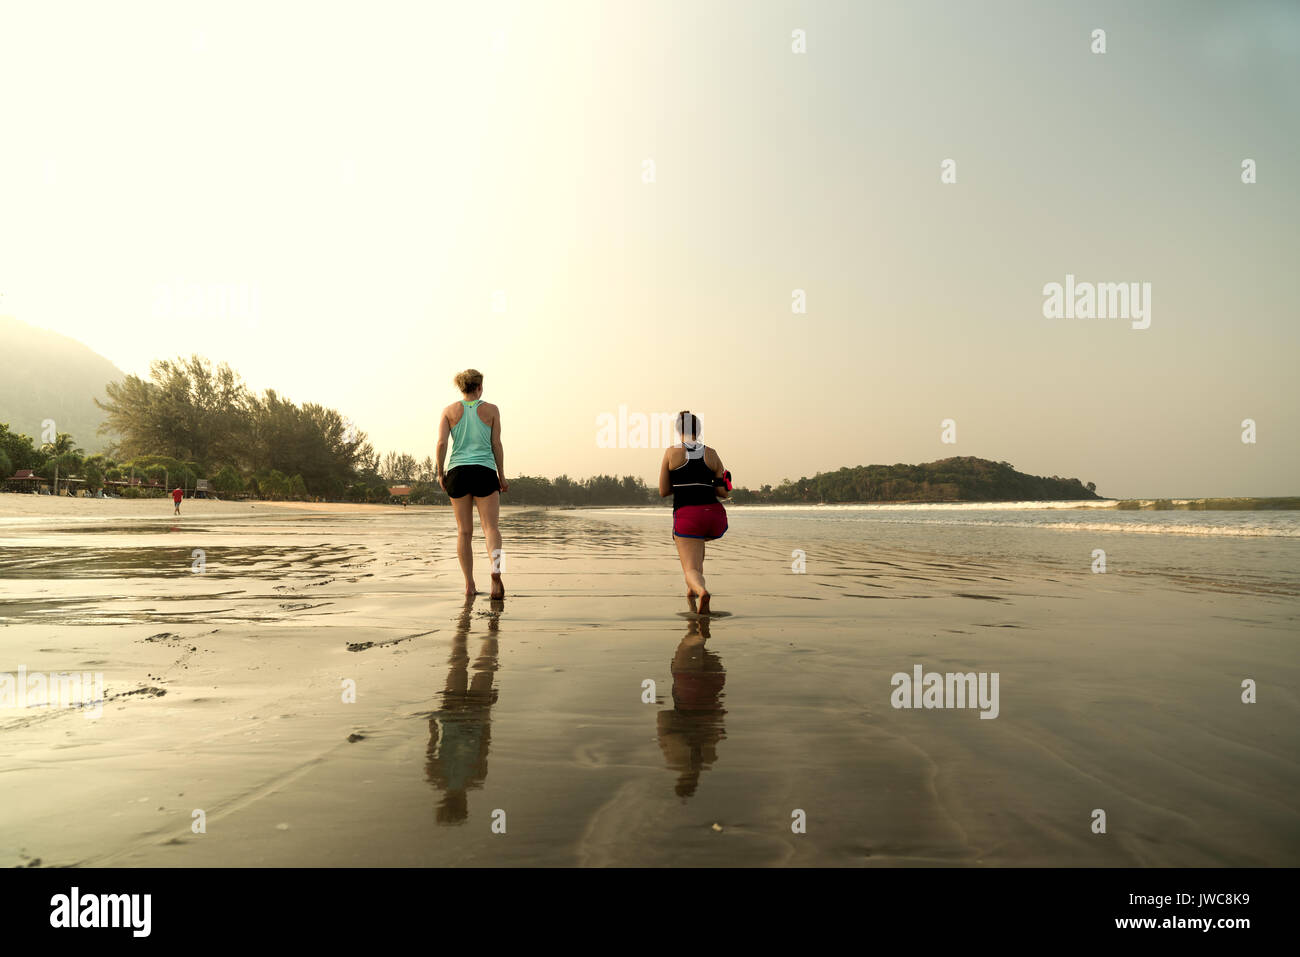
444 432
718 472
498 451
665 483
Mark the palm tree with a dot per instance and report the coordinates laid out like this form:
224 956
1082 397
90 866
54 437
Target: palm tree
59 449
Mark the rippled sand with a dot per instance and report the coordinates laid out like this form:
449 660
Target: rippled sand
224 694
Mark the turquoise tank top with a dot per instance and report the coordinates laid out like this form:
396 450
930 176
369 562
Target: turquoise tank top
471 440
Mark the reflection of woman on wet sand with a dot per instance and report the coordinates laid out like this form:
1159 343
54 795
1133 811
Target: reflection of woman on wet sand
693 475
460 731
689 733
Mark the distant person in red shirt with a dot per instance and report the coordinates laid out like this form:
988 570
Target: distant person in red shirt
177 495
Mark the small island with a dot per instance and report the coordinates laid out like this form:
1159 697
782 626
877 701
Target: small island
959 479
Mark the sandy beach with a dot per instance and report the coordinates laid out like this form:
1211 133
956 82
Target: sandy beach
224 690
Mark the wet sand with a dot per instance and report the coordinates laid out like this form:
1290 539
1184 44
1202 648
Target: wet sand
225 694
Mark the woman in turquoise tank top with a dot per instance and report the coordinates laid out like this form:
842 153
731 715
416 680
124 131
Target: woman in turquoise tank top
475 475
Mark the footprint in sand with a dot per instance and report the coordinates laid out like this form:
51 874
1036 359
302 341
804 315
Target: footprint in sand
589 756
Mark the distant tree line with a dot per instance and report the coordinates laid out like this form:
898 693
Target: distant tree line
369 483
48 460
402 469
960 479
191 421
597 490
208 421
61 460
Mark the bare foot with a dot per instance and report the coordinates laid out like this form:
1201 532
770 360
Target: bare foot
498 589
690 600
704 602
470 590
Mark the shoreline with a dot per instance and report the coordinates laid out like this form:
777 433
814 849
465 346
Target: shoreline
17 503
223 694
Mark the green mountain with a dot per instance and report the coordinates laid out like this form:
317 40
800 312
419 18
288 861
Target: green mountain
44 375
960 479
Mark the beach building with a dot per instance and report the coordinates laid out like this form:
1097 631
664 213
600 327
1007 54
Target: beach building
118 485
25 480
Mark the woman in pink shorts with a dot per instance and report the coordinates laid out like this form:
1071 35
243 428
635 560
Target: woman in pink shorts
693 475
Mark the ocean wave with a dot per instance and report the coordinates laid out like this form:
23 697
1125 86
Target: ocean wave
1013 515
934 506
1143 528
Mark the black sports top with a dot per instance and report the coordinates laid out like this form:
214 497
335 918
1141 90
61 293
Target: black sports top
692 483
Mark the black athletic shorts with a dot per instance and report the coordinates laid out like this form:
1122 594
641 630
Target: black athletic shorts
477 480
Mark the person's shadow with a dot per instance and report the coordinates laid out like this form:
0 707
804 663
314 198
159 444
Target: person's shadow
689 732
460 730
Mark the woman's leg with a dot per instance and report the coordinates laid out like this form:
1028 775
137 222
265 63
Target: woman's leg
489 510
691 552
463 508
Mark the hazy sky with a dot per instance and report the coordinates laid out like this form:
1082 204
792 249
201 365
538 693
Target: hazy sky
346 187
